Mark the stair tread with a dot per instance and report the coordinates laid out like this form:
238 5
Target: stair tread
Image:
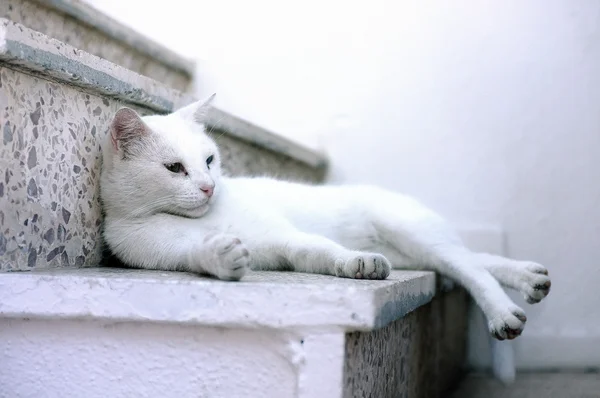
278 300
89 15
27 49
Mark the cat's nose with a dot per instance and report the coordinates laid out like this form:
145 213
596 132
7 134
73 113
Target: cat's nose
207 189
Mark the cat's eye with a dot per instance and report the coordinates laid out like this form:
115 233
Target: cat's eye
175 167
209 160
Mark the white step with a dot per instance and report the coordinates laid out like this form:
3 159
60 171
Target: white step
126 333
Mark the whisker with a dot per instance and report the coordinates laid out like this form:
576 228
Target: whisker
155 203
214 125
159 202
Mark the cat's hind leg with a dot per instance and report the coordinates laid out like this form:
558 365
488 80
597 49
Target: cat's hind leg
529 278
424 241
506 320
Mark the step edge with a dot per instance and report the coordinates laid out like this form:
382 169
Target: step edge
27 49
247 131
91 16
272 300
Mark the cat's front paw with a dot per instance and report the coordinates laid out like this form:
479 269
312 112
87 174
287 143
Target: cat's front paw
231 258
363 266
508 324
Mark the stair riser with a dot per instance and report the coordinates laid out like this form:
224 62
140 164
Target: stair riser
418 356
50 150
64 21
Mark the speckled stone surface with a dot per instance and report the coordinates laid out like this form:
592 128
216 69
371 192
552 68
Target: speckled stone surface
418 356
35 52
253 160
239 128
50 159
52 21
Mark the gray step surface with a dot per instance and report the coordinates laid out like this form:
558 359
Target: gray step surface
80 25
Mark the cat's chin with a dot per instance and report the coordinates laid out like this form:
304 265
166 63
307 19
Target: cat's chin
195 212
198 211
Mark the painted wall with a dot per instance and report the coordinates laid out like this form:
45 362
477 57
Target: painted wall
488 111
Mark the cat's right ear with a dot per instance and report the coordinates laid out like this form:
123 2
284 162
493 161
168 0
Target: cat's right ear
126 127
197 111
202 109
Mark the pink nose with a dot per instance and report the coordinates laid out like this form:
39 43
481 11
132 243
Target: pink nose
207 189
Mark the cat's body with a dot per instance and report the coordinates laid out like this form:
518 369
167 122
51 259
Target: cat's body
168 207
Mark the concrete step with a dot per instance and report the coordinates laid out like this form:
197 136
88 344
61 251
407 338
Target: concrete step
67 329
56 103
80 25
128 333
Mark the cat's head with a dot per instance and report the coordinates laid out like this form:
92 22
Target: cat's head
160 164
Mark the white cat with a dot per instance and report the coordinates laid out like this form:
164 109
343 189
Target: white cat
168 207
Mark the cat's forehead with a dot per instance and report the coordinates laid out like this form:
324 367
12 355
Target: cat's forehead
181 135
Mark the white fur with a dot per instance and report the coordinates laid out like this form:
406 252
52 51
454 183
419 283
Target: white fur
157 219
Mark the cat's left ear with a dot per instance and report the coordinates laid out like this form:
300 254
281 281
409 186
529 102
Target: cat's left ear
198 110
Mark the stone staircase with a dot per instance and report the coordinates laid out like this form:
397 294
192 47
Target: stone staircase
70 328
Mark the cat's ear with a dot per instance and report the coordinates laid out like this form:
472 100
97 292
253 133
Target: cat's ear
126 127
197 111
202 109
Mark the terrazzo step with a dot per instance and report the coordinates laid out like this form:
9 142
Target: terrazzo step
129 333
67 328
82 26
56 103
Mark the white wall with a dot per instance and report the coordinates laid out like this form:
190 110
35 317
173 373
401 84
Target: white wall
489 111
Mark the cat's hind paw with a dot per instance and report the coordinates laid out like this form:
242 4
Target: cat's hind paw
535 282
508 325
363 266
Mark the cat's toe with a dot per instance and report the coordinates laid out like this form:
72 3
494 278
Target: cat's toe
508 324
535 293
373 266
234 269
233 258
349 268
381 267
224 243
364 266
536 268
